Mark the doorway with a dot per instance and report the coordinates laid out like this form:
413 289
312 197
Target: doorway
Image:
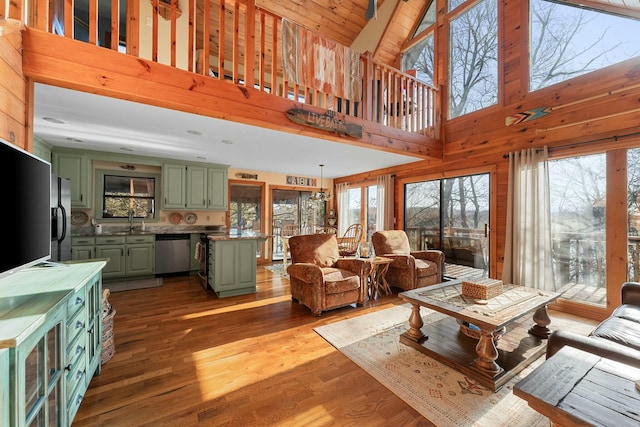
246 211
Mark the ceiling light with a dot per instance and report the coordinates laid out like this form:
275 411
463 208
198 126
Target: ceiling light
194 132
201 158
74 140
227 141
53 120
125 149
320 196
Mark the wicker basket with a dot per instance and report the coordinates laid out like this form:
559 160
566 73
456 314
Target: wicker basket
108 341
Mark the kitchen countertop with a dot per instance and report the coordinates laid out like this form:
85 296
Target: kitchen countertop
233 236
122 231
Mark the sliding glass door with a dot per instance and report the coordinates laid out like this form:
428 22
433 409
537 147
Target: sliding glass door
293 207
452 215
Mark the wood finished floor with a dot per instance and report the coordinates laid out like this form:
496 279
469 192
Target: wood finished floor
187 358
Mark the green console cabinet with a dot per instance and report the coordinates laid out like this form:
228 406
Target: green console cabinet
50 342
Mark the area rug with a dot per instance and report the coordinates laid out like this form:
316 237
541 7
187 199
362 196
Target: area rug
441 394
130 285
277 269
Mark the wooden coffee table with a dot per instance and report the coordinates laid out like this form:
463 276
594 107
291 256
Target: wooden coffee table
507 342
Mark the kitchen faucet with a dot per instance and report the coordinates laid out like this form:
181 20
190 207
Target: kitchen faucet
131 220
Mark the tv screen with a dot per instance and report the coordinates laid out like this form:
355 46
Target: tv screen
26 212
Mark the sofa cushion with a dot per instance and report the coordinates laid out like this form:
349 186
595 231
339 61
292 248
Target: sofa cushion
621 331
391 242
338 280
318 249
629 312
426 268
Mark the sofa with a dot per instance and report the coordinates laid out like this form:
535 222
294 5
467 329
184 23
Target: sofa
320 279
409 270
617 337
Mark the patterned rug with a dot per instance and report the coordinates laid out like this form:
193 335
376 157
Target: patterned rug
441 394
277 268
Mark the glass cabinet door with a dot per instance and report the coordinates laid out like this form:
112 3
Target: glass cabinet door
42 370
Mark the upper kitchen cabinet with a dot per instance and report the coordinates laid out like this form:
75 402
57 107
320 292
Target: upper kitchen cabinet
194 187
74 167
217 198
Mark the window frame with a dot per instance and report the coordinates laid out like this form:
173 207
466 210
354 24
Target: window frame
99 199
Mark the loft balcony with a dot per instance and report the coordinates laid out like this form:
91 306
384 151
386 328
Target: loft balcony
223 44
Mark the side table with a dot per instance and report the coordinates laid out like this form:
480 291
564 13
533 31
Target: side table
377 281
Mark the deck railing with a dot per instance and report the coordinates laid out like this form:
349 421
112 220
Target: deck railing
244 45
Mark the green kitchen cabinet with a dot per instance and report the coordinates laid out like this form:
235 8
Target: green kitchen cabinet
193 186
140 255
113 248
50 342
232 266
174 181
83 248
76 168
218 188
196 188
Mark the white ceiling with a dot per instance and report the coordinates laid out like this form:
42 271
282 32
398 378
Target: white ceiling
98 123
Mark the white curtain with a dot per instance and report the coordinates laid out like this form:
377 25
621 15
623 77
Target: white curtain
342 192
527 259
384 216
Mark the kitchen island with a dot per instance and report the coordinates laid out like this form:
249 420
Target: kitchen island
231 262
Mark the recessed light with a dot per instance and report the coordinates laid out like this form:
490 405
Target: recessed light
201 158
194 132
74 140
227 141
125 149
53 120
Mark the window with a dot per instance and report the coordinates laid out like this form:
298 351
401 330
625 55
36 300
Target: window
473 61
451 215
420 57
567 41
122 193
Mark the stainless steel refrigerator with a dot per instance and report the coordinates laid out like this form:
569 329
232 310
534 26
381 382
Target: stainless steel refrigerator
60 218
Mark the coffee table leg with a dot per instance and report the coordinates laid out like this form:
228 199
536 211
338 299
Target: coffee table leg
415 324
541 328
487 355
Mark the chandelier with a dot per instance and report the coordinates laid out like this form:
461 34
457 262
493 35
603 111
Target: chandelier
320 196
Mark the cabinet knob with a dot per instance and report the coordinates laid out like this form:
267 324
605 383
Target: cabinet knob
68 367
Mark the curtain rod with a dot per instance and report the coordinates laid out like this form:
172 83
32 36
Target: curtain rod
614 138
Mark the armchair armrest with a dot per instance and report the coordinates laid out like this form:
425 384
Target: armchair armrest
631 293
432 255
307 272
359 266
401 260
613 351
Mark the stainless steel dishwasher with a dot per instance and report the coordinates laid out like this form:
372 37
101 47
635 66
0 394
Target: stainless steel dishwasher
173 253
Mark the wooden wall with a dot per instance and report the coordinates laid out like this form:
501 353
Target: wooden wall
13 91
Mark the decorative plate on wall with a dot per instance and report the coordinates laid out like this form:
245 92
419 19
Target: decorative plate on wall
175 218
79 218
190 218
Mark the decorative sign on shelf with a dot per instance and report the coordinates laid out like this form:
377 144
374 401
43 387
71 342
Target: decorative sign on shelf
301 180
326 121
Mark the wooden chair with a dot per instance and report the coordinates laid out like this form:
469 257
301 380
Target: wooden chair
348 243
287 231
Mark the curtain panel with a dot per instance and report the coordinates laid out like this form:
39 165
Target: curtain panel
312 61
385 194
342 193
528 257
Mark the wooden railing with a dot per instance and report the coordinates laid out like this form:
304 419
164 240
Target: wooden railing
244 45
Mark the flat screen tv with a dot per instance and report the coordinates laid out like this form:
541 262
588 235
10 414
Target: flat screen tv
26 212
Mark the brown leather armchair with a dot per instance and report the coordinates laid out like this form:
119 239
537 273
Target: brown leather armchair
320 279
409 270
